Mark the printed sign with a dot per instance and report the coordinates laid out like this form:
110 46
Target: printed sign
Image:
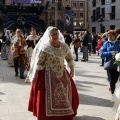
69 20
107 6
26 1
20 21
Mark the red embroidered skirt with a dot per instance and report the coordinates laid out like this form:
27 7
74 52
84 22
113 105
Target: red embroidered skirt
37 100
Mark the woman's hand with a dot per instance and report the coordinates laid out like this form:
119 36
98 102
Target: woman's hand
34 81
114 53
71 73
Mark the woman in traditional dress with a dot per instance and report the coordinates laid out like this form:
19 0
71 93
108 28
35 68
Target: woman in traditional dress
31 40
53 94
6 44
10 56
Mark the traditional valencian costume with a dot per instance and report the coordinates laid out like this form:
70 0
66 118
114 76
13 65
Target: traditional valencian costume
6 45
19 55
31 45
54 95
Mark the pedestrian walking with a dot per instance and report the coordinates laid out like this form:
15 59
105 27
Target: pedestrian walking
68 38
85 46
53 94
90 44
31 40
19 53
6 41
108 52
94 42
76 44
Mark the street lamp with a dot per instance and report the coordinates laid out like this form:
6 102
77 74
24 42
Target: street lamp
101 19
56 12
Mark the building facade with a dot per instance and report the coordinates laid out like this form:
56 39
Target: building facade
80 20
103 15
53 13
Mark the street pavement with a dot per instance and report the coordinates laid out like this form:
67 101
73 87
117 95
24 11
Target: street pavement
91 82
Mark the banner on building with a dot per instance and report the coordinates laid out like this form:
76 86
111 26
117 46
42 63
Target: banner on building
26 1
23 20
107 6
69 20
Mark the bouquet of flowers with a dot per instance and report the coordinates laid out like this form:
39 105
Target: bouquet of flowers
117 59
117 90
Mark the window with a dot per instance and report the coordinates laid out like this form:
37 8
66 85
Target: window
74 4
102 29
75 14
113 1
94 3
67 7
81 14
112 27
93 17
81 4
93 29
112 14
103 12
102 2
81 24
75 23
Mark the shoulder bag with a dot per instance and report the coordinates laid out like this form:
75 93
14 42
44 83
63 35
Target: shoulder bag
110 65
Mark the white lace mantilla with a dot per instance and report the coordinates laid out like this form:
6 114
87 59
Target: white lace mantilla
31 38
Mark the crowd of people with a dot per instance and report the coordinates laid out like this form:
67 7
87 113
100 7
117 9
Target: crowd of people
45 57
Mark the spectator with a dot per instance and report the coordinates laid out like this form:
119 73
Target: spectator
68 39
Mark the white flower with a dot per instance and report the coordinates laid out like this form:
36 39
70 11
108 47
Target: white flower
117 57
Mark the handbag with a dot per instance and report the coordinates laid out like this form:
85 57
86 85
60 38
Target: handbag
77 44
110 65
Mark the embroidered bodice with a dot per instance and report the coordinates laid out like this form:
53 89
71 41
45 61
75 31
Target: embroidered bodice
54 58
32 41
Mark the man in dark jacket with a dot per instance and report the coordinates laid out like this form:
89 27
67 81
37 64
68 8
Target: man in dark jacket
68 39
85 46
90 44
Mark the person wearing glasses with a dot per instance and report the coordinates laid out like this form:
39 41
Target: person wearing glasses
53 94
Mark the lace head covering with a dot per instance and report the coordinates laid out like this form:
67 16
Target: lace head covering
38 48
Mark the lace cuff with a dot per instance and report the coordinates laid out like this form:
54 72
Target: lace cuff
39 67
69 60
72 69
